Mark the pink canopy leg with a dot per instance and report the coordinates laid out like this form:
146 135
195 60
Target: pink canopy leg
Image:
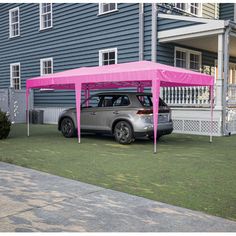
87 95
140 88
155 101
212 102
78 102
27 110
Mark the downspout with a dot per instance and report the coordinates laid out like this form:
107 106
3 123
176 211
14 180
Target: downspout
154 32
141 31
235 12
226 73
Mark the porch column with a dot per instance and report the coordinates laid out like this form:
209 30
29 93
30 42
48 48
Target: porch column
219 79
226 78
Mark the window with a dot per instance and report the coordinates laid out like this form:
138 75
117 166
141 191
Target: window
146 101
108 56
191 8
45 15
93 101
107 7
188 59
195 8
15 76
180 6
14 22
106 101
121 101
46 66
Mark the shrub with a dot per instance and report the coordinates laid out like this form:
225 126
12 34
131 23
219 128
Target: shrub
5 125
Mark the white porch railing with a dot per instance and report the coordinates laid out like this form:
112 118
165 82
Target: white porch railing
186 96
232 94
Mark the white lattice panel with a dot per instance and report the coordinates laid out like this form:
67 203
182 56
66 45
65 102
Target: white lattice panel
178 125
191 125
206 127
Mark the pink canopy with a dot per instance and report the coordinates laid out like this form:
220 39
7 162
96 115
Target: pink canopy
134 74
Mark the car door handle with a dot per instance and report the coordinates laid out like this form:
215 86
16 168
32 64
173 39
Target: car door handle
93 113
115 112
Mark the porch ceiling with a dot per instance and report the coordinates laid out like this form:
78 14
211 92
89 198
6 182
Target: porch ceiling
208 43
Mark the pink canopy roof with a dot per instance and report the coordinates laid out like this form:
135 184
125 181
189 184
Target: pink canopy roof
121 75
134 74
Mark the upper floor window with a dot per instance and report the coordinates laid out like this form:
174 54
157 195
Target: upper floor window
14 22
188 59
192 8
107 56
46 66
107 7
15 76
45 15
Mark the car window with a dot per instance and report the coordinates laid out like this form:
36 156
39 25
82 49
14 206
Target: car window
121 101
93 101
107 101
146 100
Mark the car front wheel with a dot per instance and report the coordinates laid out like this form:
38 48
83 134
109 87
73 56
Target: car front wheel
123 132
68 128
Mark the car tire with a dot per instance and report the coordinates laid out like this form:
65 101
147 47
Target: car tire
68 128
123 132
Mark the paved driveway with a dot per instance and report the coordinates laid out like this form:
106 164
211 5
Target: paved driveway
35 201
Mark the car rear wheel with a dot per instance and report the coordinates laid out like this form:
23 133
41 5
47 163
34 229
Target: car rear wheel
68 128
123 132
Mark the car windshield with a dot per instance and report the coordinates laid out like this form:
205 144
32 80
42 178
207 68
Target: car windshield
146 101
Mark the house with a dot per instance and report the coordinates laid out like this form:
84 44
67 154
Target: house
42 38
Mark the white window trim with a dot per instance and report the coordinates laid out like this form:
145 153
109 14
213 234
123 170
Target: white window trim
40 18
105 51
41 65
100 11
11 77
188 52
10 23
188 10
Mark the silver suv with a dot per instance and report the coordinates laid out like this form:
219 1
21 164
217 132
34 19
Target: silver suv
126 115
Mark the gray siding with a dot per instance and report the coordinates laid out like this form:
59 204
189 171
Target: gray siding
227 11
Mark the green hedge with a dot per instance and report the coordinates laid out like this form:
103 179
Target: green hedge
5 125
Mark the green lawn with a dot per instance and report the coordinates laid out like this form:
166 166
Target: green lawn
188 171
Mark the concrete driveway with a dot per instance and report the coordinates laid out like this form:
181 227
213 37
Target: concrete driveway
35 201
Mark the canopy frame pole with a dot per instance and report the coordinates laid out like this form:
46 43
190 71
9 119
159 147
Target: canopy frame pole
140 88
78 109
27 111
155 100
212 101
87 95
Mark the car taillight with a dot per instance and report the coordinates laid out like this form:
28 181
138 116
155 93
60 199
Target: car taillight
145 112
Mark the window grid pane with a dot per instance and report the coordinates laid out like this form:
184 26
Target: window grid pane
15 76
108 58
181 58
47 67
46 19
106 7
14 23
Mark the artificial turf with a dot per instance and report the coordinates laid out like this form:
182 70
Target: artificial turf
187 171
